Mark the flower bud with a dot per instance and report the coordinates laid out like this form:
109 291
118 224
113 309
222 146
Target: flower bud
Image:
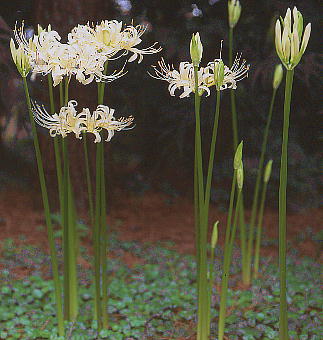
20 59
237 163
288 38
214 238
234 11
278 76
267 172
240 177
218 73
196 49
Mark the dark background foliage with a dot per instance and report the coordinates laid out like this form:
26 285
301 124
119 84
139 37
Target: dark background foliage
158 153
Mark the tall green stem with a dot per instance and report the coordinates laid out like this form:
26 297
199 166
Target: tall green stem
70 234
88 178
58 160
202 258
50 232
235 144
257 187
229 240
283 326
259 229
104 244
96 239
212 153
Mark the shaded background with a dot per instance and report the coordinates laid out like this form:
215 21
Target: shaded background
158 154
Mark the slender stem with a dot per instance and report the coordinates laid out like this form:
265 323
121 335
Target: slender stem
88 178
50 232
66 235
61 94
229 240
202 274
235 144
96 238
104 244
58 160
283 325
211 283
212 153
259 229
257 187
72 251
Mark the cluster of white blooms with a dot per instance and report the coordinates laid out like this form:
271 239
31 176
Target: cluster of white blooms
207 76
87 50
68 120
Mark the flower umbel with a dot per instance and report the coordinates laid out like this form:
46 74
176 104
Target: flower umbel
288 38
183 78
68 120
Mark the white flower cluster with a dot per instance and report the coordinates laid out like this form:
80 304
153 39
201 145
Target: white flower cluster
86 51
68 120
207 76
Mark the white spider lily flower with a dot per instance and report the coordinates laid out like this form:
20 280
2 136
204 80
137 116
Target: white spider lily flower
39 48
230 76
288 38
109 38
109 123
183 78
20 59
68 120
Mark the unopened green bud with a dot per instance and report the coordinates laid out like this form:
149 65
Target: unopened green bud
237 163
267 172
240 177
234 11
196 49
278 76
214 238
218 73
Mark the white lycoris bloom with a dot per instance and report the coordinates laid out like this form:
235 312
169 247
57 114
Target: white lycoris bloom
47 55
68 120
109 38
183 78
289 43
230 76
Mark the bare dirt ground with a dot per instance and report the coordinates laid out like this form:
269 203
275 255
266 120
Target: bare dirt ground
150 217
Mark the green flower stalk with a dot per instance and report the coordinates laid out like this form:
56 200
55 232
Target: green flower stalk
234 13
23 67
277 78
267 174
230 236
214 241
290 47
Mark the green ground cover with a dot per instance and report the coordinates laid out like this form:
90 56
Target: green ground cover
156 299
